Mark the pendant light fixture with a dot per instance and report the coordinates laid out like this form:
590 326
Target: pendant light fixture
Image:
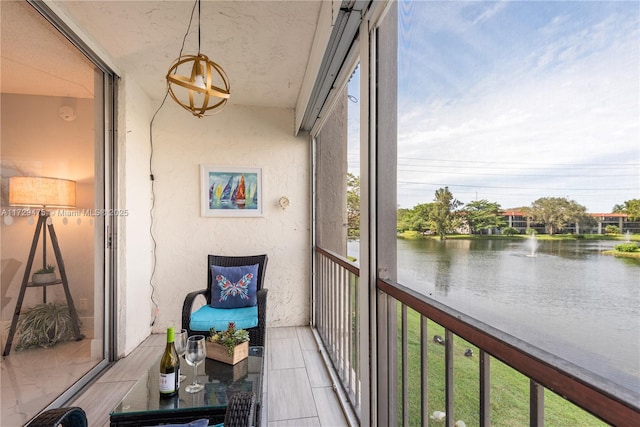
204 88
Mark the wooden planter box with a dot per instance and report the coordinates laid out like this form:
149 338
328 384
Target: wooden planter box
219 352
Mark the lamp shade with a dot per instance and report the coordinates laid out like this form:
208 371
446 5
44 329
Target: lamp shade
39 191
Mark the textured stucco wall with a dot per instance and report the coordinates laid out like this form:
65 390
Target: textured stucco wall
238 136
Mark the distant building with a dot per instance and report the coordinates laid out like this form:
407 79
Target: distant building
620 220
520 222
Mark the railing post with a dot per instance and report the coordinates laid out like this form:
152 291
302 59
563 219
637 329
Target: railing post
536 404
382 394
424 370
343 325
448 363
405 367
485 389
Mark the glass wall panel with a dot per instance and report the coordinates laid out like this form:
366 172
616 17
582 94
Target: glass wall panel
52 201
519 169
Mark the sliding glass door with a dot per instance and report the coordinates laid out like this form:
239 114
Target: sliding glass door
55 111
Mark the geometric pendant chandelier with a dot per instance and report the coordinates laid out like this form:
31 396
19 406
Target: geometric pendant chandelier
198 84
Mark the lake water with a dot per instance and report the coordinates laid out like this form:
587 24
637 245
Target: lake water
568 299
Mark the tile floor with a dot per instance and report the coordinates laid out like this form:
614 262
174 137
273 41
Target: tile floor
297 388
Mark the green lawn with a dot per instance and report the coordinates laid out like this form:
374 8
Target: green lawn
509 389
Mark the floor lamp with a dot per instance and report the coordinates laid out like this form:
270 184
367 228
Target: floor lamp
42 193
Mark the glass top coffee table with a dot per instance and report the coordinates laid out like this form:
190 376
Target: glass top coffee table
142 406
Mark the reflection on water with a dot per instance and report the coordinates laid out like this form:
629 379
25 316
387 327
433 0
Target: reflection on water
568 299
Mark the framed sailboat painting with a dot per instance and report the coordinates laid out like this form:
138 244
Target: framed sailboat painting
230 191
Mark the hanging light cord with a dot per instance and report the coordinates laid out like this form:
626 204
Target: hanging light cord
153 194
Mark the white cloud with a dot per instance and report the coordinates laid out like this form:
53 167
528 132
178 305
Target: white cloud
572 99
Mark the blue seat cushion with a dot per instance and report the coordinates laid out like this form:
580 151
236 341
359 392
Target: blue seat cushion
207 317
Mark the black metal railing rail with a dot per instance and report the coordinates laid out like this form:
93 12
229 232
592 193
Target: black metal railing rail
336 313
595 395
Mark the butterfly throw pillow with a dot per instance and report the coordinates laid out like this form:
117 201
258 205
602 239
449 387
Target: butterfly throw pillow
234 287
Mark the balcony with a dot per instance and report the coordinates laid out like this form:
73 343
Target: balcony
549 378
307 383
378 374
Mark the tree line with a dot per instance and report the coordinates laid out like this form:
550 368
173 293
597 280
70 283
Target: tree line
445 214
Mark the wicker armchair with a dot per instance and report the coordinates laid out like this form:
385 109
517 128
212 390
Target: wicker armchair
65 417
256 334
241 411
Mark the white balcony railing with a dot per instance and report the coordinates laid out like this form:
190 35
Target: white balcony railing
336 313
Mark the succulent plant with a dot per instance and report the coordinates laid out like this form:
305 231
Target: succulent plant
229 338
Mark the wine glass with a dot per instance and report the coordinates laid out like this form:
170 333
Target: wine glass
196 353
181 347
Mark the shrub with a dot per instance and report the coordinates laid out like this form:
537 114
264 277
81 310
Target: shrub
510 231
612 229
627 247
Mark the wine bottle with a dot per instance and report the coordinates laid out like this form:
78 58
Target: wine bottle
169 368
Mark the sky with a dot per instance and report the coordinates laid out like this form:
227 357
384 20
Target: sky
514 101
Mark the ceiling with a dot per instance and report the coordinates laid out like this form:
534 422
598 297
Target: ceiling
263 46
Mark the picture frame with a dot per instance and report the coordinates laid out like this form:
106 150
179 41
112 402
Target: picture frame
222 189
